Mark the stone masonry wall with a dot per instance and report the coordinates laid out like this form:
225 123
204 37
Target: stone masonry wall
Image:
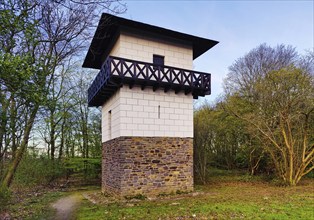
147 165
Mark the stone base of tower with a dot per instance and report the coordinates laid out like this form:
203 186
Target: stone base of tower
147 165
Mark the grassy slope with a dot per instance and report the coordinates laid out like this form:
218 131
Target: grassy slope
222 198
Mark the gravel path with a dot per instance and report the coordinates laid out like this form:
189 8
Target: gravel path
65 207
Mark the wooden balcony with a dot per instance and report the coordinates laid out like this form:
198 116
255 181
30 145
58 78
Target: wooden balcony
116 72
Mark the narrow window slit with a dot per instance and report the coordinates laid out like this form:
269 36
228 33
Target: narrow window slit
109 124
158 111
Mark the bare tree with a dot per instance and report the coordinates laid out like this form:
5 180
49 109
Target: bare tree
272 90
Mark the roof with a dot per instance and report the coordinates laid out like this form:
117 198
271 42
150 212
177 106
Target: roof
109 28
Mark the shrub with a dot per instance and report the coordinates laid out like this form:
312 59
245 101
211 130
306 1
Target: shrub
5 196
38 171
137 196
89 168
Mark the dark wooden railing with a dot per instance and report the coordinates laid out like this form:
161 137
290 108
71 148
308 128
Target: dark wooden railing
117 71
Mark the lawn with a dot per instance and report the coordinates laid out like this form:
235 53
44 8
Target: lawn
232 197
225 196
34 206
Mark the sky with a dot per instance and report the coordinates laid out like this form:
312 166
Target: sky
239 26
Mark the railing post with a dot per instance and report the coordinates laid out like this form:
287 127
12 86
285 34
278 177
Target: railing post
191 82
158 74
121 64
109 63
202 81
170 77
134 69
182 80
209 83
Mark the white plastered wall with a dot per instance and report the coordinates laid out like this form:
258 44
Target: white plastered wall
136 112
146 113
113 106
137 47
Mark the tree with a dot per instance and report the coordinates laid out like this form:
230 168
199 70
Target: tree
22 79
86 121
223 141
52 117
203 142
272 91
36 39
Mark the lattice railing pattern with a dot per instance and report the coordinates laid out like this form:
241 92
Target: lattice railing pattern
150 74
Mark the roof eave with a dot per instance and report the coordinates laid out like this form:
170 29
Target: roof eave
109 27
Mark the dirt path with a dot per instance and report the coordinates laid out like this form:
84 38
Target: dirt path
65 207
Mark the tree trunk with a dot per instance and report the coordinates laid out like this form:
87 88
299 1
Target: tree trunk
62 140
13 123
52 135
3 122
85 140
20 151
73 149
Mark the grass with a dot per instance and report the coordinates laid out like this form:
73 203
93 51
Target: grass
37 204
35 207
224 197
227 195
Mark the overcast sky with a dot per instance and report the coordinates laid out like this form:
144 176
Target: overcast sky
239 26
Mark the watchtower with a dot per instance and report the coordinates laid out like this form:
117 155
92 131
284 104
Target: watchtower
145 88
